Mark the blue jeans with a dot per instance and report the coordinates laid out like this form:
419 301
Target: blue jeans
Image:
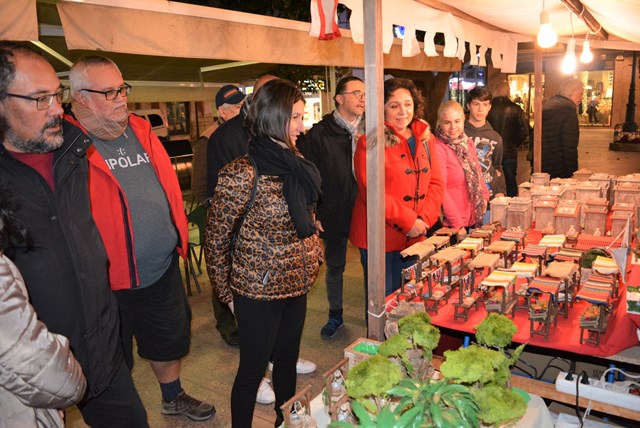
335 256
393 265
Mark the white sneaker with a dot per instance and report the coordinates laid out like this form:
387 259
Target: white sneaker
302 366
265 392
305 366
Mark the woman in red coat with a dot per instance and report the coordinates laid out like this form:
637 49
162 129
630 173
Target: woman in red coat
413 183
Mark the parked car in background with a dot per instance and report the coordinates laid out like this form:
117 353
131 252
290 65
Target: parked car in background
157 120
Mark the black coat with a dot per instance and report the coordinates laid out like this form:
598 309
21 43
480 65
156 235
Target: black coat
560 135
329 146
229 141
507 119
66 270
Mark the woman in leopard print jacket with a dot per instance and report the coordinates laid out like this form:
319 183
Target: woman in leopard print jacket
277 253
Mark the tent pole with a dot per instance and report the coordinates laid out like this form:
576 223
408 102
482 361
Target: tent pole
374 74
537 104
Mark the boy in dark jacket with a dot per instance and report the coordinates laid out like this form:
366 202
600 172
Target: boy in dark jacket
487 141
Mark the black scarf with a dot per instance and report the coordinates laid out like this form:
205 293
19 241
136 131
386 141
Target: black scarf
300 176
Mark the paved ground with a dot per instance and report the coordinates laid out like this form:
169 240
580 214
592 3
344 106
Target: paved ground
209 370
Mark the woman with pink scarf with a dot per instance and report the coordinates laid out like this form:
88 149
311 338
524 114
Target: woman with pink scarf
465 194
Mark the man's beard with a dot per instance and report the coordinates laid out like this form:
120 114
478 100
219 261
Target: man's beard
40 144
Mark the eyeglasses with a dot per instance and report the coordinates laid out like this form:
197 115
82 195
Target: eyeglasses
112 94
358 94
44 102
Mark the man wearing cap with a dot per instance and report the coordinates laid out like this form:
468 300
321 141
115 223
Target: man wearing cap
137 205
229 101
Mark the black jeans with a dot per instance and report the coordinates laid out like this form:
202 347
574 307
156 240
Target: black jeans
117 406
335 256
267 329
510 169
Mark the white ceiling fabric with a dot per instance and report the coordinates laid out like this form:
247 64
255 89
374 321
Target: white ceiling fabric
514 21
416 16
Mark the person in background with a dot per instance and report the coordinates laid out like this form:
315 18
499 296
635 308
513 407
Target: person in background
39 374
330 144
508 120
487 141
465 196
137 205
229 101
561 130
230 141
66 270
413 181
266 275
592 110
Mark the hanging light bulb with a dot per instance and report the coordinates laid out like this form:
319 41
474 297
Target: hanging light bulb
546 37
569 60
586 56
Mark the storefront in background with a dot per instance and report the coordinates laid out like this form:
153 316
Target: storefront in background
597 98
593 110
460 83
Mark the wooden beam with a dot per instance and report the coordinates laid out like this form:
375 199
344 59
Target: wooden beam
435 4
374 83
583 13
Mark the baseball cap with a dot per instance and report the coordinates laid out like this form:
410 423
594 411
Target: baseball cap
229 94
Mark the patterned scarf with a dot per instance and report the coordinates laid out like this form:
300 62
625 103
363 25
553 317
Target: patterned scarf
102 127
460 147
355 128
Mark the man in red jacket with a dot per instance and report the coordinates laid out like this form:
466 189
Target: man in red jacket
137 205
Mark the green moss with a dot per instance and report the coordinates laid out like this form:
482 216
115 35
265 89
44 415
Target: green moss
498 405
496 330
372 377
472 364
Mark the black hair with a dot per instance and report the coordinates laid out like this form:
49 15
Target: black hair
480 93
8 51
394 84
342 84
269 112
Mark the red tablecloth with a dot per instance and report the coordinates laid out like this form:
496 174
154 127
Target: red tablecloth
621 330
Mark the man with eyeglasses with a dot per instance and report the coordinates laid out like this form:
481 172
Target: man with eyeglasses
65 271
330 144
137 205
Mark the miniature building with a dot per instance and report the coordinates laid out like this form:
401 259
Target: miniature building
588 190
499 210
539 178
567 214
605 181
543 212
519 213
628 192
582 174
524 189
595 216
